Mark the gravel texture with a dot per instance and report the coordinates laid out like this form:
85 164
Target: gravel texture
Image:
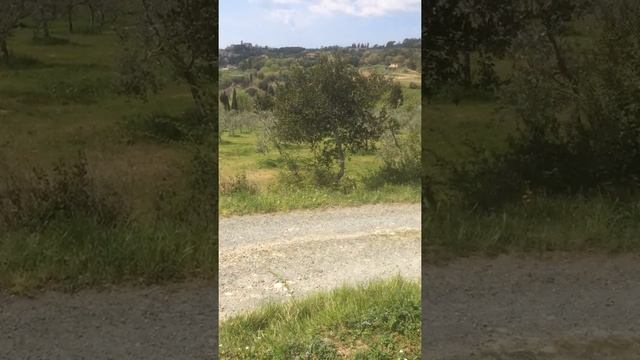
169 322
281 256
236 231
554 307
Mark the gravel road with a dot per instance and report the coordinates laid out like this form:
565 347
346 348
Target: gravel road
236 231
558 307
168 322
280 256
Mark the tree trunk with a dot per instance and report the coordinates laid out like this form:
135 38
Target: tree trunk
196 94
198 100
4 51
45 29
100 19
466 29
560 61
92 17
341 161
467 69
70 18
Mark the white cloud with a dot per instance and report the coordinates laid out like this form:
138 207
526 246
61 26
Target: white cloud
364 8
285 16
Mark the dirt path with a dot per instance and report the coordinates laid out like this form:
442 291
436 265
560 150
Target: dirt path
279 256
561 307
168 322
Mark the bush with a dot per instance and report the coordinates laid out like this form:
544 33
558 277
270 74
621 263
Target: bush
238 184
401 159
262 142
65 194
576 136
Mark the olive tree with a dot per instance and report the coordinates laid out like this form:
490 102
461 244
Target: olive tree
11 13
178 35
332 107
45 11
178 38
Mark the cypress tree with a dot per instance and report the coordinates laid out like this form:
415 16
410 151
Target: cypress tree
234 100
224 99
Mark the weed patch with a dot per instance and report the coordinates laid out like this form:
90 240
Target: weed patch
379 320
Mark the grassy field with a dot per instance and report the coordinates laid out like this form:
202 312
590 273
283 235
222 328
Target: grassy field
263 170
263 184
379 320
57 101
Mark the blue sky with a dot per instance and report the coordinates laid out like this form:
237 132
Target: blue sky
315 23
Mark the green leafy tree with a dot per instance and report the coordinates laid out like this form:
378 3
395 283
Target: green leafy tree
70 6
455 29
180 35
331 107
11 13
395 96
264 102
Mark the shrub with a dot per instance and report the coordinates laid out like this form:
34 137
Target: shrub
238 184
262 142
401 158
578 135
66 193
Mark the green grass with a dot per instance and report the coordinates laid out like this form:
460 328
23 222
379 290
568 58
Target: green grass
379 320
57 100
281 199
238 156
48 112
539 225
80 254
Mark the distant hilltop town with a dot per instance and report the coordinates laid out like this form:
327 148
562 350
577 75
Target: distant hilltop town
234 54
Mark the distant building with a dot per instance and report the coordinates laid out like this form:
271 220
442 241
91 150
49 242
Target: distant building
392 66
